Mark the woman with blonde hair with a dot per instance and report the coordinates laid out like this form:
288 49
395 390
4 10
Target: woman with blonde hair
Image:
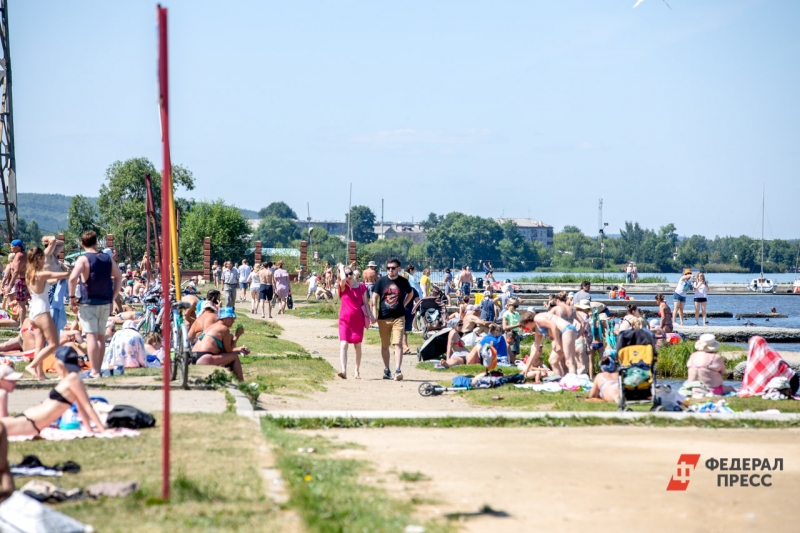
425 282
255 286
39 281
700 298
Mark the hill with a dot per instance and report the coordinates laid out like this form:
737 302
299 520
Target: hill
50 210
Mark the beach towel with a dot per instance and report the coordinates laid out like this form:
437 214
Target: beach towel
763 364
72 434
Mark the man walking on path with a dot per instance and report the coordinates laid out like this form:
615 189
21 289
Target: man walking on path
370 276
230 282
15 282
100 280
466 280
390 296
266 290
244 275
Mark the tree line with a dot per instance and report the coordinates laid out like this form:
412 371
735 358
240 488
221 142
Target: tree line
452 239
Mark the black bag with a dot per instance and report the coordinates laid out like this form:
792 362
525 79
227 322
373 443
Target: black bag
126 416
289 302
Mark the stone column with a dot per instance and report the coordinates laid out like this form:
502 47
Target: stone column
207 259
352 251
258 252
304 255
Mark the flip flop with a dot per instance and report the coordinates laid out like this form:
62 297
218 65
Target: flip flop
342 375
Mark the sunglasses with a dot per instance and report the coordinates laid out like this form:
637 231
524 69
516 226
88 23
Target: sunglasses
460 324
348 274
391 268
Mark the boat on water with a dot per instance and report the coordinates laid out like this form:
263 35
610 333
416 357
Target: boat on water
762 284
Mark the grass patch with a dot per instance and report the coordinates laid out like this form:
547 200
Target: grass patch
466 370
216 484
328 494
284 374
328 423
261 337
412 477
328 310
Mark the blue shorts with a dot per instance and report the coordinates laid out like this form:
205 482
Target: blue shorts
465 289
678 298
244 285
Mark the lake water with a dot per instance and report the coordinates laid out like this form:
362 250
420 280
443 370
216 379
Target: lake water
670 277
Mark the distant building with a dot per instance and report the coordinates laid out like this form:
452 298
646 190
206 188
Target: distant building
532 230
333 227
394 230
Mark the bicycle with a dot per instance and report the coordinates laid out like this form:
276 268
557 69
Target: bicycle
181 351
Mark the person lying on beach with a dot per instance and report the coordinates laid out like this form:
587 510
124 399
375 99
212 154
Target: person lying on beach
69 390
216 345
8 382
457 353
121 318
536 374
24 343
606 383
494 337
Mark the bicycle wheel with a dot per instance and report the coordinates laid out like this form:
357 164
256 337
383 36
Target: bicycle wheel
183 358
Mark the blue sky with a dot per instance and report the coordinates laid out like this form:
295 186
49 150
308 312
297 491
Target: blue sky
490 108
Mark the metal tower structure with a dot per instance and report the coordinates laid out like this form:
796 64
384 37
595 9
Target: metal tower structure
601 233
8 172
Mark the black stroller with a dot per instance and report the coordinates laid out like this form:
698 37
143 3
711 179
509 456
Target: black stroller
430 314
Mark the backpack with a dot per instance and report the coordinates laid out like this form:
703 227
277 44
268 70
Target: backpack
126 416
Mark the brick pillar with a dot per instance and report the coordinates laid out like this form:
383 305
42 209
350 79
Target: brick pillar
110 241
60 237
258 252
352 251
207 258
304 255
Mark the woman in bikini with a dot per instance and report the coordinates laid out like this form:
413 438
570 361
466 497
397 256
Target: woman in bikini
606 383
566 357
665 314
69 390
216 345
542 326
457 353
206 316
38 281
23 344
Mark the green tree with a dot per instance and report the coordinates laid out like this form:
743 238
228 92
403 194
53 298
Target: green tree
82 216
432 221
122 202
274 232
363 224
225 224
29 233
467 239
279 210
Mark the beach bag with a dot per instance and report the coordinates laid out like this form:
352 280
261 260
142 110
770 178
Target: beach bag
290 302
127 416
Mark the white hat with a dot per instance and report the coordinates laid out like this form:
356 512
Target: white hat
653 323
486 294
108 251
571 295
7 373
372 264
584 305
706 343
470 308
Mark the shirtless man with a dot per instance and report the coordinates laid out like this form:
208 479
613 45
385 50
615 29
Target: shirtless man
465 280
15 282
266 291
146 267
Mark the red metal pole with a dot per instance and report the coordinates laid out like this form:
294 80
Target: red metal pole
165 238
147 213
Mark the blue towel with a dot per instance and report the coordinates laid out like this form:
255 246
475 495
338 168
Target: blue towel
462 381
57 310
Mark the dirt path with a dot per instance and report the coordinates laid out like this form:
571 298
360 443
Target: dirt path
579 479
181 401
372 391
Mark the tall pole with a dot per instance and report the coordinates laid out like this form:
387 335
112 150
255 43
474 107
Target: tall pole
8 164
350 215
382 237
165 239
762 230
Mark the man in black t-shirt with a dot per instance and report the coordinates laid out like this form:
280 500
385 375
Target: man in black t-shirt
390 295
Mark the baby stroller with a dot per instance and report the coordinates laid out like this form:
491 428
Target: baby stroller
636 357
430 314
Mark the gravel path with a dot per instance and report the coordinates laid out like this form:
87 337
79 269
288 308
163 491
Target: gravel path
181 401
372 391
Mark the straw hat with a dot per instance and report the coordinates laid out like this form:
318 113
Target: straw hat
584 305
372 264
706 343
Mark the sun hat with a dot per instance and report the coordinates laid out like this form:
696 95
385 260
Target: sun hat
687 271
226 312
470 308
69 357
129 324
599 305
372 264
584 305
653 323
706 343
7 373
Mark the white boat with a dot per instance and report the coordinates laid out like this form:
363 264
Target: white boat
796 286
762 284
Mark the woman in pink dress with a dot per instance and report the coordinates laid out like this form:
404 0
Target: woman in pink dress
352 318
